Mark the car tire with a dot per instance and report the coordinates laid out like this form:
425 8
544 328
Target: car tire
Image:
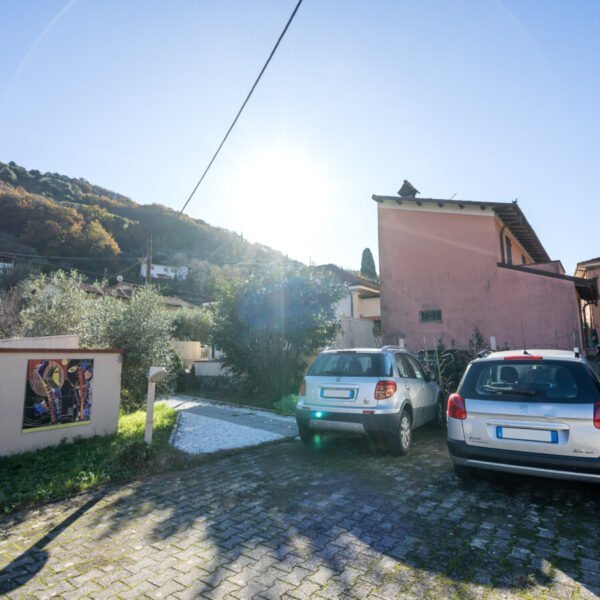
464 473
401 441
306 435
441 420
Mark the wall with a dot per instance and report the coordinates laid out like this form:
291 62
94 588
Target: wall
189 352
369 308
447 260
209 368
106 388
355 333
49 341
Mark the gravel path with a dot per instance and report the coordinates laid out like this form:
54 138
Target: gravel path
205 426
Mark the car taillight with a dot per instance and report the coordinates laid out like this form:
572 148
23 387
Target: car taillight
302 390
597 415
456 407
384 389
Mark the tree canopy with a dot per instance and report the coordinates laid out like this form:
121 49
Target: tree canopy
367 266
269 324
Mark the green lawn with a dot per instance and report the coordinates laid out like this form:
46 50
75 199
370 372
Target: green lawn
64 470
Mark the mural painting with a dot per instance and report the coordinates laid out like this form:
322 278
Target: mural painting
58 393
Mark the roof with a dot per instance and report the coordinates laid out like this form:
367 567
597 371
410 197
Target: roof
586 288
508 212
125 290
589 263
349 278
175 301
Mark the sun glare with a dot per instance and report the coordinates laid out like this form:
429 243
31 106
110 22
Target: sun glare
282 199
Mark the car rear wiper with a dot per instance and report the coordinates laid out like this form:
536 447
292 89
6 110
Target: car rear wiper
506 392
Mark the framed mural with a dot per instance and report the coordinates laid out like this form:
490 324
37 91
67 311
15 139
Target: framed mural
58 393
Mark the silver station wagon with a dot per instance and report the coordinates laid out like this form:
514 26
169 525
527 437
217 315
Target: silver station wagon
377 392
533 412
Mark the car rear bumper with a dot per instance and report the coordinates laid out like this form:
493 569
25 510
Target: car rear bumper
526 463
348 422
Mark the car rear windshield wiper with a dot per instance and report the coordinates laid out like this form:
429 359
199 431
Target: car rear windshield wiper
507 392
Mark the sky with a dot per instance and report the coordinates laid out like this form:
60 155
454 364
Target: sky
490 100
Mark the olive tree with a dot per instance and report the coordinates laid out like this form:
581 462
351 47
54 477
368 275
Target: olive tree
56 304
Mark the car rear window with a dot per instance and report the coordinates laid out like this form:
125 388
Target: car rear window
531 381
352 364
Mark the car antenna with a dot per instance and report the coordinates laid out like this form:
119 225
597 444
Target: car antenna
524 345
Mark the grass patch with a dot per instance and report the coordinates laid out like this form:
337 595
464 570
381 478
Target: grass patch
70 468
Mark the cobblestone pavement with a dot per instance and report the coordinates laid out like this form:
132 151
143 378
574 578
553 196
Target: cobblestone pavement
340 520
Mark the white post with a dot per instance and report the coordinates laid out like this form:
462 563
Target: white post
149 412
155 374
493 343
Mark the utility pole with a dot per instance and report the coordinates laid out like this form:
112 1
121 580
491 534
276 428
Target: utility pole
149 259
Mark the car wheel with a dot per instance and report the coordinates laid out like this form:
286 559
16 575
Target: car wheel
440 413
306 435
400 441
464 473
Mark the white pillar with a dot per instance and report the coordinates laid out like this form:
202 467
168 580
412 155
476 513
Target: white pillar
149 412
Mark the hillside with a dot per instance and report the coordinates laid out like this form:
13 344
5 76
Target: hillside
100 231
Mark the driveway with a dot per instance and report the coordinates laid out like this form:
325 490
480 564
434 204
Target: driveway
341 520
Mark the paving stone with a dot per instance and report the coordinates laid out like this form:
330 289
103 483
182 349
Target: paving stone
341 521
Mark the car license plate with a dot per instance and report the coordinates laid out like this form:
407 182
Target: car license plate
527 435
337 393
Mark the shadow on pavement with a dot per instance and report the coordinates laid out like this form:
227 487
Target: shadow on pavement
350 514
28 564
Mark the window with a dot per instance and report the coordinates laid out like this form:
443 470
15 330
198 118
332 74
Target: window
427 316
531 381
508 251
419 374
352 364
404 368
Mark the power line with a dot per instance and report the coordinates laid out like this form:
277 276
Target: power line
212 160
53 257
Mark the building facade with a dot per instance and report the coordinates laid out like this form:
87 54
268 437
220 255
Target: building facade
449 268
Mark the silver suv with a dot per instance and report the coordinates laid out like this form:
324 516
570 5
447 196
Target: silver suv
535 412
368 392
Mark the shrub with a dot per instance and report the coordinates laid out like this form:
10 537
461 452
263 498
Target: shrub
266 326
287 405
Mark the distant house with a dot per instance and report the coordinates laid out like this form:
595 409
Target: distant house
165 272
124 291
590 269
449 266
359 311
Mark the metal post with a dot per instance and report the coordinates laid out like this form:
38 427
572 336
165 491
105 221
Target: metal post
149 412
149 259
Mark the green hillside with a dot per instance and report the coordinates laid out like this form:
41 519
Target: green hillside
73 223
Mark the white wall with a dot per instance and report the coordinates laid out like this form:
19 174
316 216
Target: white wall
49 341
106 398
356 333
209 368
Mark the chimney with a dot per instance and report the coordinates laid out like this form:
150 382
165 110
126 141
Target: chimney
408 190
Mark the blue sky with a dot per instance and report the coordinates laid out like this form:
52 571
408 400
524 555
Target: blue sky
486 99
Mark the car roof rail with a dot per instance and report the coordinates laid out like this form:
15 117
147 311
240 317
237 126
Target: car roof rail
484 353
391 347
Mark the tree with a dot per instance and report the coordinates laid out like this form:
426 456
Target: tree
193 324
269 324
57 305
367 266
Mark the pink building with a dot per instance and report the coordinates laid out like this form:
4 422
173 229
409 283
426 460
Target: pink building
449 266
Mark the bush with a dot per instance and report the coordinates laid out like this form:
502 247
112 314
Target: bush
266 326
287 405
